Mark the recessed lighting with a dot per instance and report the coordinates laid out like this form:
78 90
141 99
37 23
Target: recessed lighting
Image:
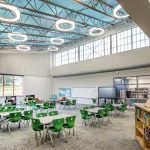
53 48
12 8
115 11
96 31
10 36
23 48
57 41
63 21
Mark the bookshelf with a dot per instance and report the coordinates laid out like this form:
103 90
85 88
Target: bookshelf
142 125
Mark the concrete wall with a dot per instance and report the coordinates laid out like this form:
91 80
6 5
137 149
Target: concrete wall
35 68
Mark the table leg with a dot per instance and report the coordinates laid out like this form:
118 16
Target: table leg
44 133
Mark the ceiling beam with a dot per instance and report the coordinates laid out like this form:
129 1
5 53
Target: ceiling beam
94 9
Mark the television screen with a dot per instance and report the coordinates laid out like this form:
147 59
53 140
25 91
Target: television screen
107 92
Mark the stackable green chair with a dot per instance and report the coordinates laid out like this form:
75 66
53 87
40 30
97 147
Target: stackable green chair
14 118
70 121
52 105
122 109
94 100
84 108
74 103
68 103
19 109
41 115
100 115
57 127
106 114
46 106
27 116
37 127
53 113
85 116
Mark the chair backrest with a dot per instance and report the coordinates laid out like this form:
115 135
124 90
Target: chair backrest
84 108
101 112
41 115
70 121
53 104
94 100
53 113
46 104
68 102
74 101
19 109
28 114
58 124
84 113
35 124
15 116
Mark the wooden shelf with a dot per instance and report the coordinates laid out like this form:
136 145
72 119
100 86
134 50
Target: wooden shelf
140 140
139 132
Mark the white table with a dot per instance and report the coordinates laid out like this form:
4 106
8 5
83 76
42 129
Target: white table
95 110
5 114
48 120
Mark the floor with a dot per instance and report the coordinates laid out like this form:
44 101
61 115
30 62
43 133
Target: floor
116 136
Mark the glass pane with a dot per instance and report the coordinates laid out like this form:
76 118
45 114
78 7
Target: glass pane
1 85
8 85
18 85
131 80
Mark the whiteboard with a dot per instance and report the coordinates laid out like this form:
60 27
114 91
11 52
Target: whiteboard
85 92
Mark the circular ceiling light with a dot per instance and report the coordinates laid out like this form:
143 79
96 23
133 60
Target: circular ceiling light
57 41
24 48
53 48
96 31
115 11
23 36
13 9
62 22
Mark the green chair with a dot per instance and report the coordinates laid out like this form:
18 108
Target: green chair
14 118
46 106
37 127
70 121
53 113
68 103
19 109
94 100
52 105
84 108
91 107
85 116
27 116
57 127
100 115
106 114
123 108
41 115
74 103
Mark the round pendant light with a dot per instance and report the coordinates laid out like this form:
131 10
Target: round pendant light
23 36
13 9
24 48
57 41
63 21
96 31
115 12
53 48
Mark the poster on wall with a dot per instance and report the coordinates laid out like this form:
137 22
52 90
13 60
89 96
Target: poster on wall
64 92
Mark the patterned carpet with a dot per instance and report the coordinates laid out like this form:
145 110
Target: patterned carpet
116 136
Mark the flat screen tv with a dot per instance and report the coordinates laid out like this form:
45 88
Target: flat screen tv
107 92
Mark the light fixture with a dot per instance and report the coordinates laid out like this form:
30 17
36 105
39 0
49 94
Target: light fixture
23 48
96 31
57 41
63 21
53 48
115 11
10 36
13 9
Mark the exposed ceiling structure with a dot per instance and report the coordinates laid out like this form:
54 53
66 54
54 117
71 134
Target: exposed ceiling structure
140 13
38 21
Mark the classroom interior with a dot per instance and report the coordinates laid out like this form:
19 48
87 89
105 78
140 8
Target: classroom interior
74 75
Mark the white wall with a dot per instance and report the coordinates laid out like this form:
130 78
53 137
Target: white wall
126 59
94 80
36 70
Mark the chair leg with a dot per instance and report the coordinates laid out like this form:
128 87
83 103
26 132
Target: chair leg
73 132
51 138
59 134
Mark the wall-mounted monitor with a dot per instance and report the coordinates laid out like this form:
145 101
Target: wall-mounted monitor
106 92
